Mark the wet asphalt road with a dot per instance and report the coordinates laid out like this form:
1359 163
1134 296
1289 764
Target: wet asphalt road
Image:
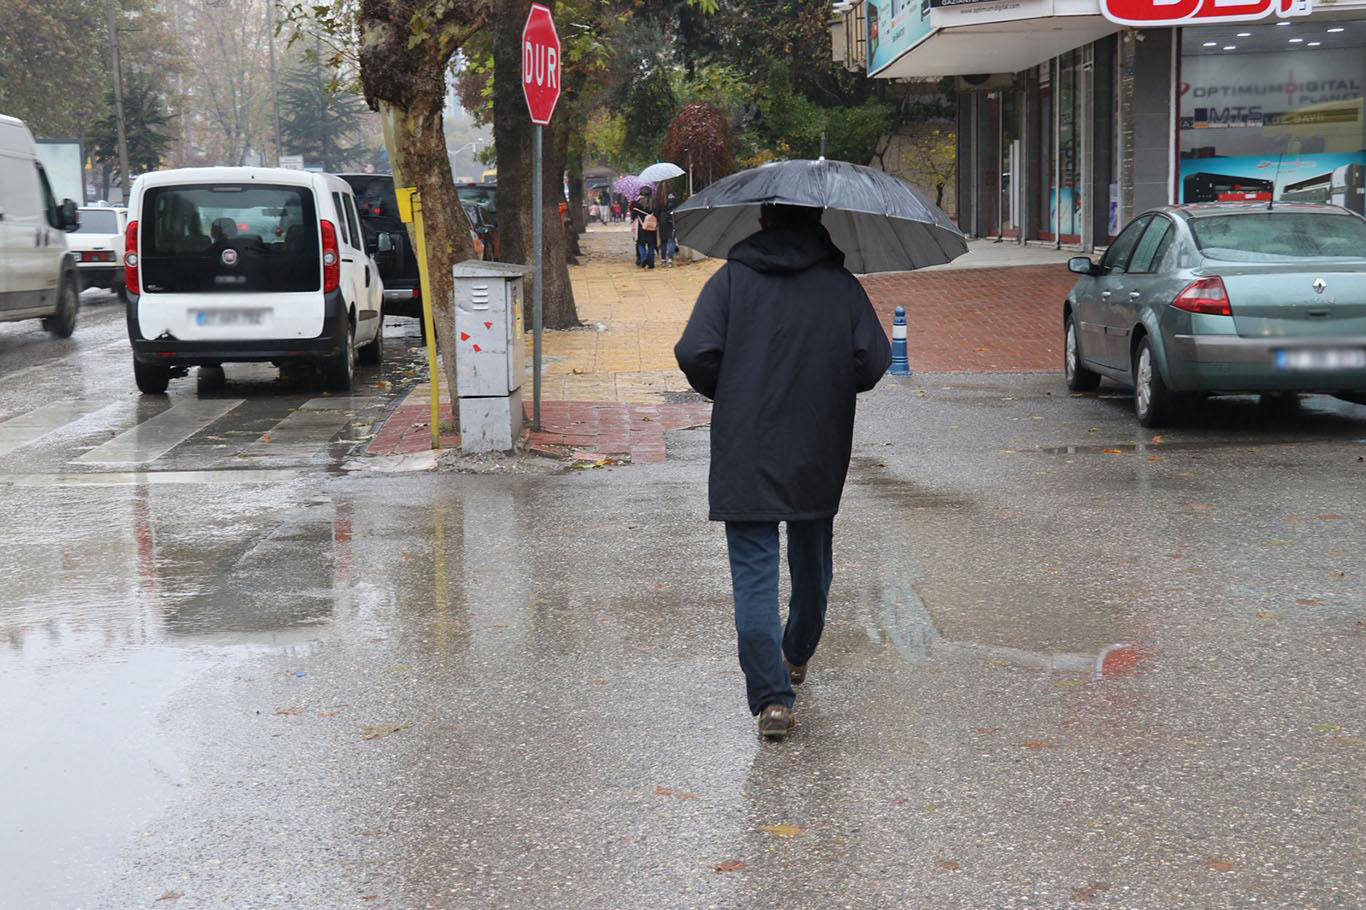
1065 663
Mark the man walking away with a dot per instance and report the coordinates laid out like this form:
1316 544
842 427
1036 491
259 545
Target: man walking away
782 339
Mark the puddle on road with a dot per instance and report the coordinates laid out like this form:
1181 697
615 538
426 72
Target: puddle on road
1191 445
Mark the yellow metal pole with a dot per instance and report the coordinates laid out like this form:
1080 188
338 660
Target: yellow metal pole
410 210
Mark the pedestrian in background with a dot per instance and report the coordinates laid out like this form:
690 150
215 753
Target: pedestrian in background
668 245
782 339
646 228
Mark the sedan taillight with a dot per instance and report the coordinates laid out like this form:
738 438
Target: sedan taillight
130 259
1204 295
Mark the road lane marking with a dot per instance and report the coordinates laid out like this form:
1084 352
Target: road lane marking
155 478
153 438
310 428
31 426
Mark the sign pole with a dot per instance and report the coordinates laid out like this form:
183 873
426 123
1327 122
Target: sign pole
537 228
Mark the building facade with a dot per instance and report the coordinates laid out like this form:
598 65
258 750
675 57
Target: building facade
1076 115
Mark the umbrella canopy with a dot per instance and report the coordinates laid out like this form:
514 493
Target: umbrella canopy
881 223
628 186
663 170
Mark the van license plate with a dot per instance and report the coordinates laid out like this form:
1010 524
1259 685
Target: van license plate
1322 359
230 317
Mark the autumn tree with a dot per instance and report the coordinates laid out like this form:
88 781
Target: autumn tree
699 141
147 126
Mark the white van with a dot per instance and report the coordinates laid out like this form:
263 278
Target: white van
38 277
242 264
97 247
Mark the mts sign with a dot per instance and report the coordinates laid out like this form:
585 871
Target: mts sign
540 64
1151 13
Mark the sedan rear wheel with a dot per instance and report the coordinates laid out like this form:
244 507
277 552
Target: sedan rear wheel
1079 378
1154 403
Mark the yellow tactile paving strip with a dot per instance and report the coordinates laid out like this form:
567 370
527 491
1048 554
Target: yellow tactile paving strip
631 320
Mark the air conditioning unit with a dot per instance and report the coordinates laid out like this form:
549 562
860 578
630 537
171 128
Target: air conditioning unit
988 82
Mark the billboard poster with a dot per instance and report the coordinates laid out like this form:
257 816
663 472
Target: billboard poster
1333 178
894 27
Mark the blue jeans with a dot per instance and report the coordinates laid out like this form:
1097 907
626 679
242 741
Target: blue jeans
754 576
645 250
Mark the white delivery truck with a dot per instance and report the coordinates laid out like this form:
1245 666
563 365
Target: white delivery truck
38 278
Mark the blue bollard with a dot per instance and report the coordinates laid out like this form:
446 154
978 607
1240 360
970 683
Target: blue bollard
901 364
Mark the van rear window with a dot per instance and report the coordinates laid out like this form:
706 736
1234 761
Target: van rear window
242 238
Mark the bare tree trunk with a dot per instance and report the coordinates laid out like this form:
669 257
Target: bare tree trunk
512 135
406 83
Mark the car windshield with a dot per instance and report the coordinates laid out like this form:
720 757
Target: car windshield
374 197
1276 236
482 194
98 221
230 237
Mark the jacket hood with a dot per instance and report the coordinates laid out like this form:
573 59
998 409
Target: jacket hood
786 250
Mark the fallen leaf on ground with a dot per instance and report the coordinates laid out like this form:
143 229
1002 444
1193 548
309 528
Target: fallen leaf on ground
1157 440
980 350
1329 517
1090 892
1219 864
670 791
948 865
783 830
1309 602
170 896
1277 542
579 371
375 731
290 712
329 713
1327 728
1154 458
1094 430
1112 451
729 865
1035 744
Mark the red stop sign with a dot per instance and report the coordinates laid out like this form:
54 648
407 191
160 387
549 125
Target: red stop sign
540 64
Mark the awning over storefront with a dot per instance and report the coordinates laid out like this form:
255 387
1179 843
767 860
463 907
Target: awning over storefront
966 37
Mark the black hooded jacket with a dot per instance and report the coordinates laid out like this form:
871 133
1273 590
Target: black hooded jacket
782 338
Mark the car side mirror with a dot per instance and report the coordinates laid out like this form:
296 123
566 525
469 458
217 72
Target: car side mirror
68 216
1082 265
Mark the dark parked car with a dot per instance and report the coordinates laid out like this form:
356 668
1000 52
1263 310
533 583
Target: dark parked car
387 240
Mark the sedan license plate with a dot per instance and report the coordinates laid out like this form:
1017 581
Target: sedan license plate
230 317
1321 359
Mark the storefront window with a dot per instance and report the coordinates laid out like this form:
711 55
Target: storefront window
1274 112
1046 164
1010 133
1067 204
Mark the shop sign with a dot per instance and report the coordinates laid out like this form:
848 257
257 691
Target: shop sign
894 27
1154 13
957 13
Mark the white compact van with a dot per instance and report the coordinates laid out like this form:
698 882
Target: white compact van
242 264
38 278
97 247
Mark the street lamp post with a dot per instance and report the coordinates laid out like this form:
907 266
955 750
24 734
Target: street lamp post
125 179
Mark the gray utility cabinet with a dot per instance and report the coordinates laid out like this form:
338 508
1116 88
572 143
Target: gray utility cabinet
490 358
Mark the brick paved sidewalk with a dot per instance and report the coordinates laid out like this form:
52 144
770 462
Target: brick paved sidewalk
980 319
970 319
579 430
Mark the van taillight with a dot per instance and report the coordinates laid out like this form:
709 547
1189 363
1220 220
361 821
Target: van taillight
130 259
331 258
1204 295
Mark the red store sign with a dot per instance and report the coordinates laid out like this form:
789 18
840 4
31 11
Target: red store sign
1152 13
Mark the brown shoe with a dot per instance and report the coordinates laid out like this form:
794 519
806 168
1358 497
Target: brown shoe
776 721
795 673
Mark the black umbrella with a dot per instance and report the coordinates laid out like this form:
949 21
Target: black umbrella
880 222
